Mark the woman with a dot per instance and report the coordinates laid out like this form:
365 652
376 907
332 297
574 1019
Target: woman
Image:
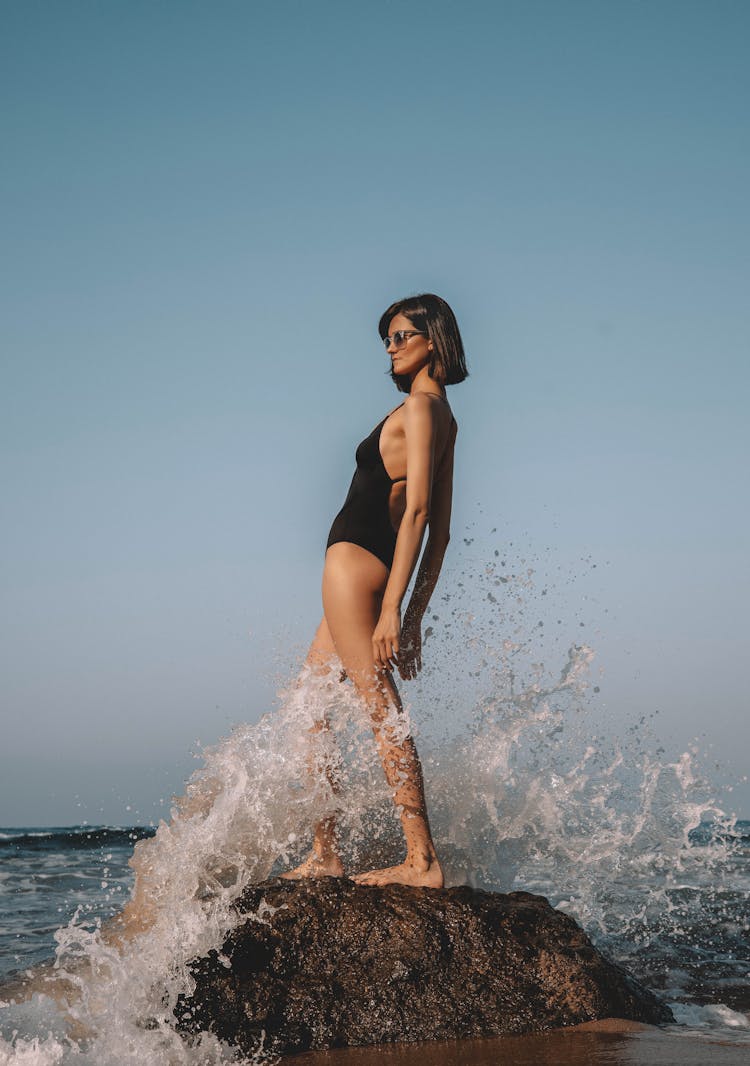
402 486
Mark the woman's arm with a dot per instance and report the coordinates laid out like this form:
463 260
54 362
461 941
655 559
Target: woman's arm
420 428
410 653
437 541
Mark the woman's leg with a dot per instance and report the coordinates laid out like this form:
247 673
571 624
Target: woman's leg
353 584
324 859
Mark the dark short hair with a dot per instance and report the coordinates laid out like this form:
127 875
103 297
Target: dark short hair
432 315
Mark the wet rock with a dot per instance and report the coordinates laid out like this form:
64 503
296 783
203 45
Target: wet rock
329 963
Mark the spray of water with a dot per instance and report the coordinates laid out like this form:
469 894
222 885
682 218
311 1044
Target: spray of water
523 793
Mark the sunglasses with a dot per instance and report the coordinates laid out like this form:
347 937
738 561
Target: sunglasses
401 336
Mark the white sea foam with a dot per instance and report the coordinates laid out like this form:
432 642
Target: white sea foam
709 1015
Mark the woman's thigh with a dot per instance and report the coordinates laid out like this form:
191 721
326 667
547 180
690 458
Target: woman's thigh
353 584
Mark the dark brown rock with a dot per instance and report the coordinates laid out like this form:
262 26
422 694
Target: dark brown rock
329 963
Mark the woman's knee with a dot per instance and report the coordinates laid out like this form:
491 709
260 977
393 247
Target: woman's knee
383 707
322 656
371 685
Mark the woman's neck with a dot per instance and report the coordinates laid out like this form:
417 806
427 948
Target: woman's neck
422 382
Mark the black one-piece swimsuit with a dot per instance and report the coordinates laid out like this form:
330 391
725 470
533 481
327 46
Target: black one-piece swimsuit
365 518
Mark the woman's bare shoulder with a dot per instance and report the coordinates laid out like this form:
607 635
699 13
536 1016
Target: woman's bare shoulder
427 402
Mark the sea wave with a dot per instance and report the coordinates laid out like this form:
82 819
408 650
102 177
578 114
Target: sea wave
72 838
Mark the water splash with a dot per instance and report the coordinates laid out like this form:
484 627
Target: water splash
523 792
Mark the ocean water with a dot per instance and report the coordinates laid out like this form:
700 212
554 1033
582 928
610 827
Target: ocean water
526 790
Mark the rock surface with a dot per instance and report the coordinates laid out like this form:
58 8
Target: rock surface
329 963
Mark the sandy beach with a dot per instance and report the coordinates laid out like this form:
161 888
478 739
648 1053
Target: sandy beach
608 1043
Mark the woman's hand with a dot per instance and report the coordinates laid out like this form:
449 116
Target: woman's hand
386 639
410 655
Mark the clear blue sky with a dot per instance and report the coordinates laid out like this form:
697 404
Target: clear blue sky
206 206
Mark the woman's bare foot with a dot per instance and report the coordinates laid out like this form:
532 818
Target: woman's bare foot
316 866
424 874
